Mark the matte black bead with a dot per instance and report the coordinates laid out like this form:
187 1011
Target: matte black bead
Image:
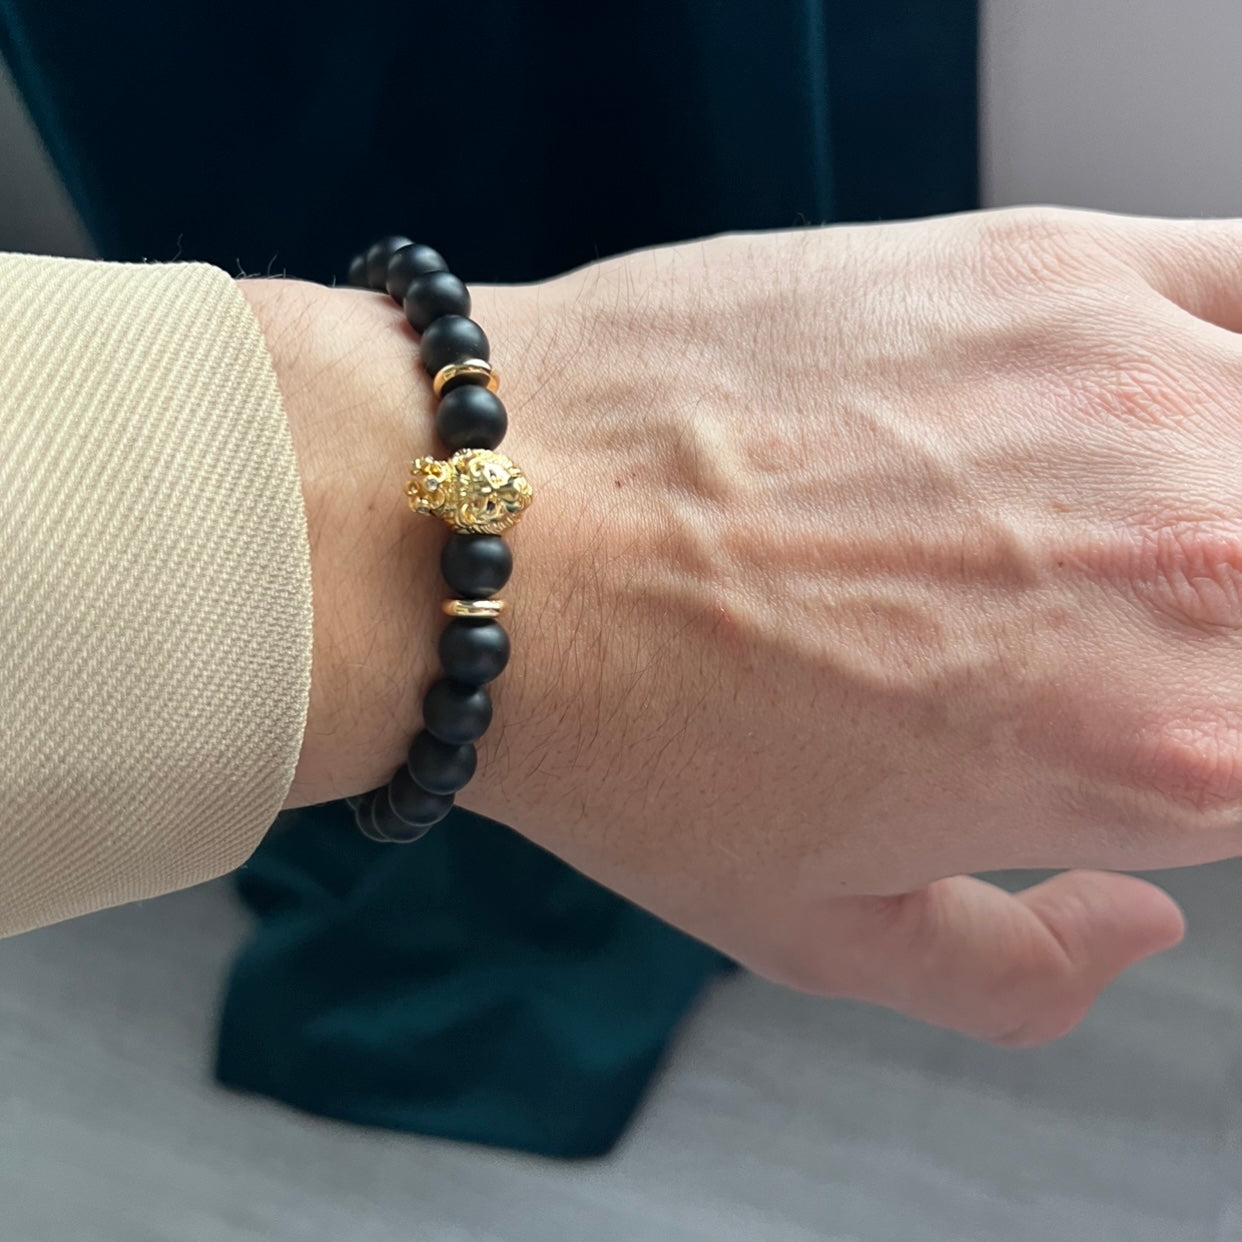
455 713
388 826
371 820
474 652
413 805
432 295
469 416
408 262
439 767
452 338
476 566
357 272
377 260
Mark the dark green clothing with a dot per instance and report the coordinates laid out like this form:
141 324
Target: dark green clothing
473 986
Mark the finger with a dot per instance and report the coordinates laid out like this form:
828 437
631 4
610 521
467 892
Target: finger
1016 969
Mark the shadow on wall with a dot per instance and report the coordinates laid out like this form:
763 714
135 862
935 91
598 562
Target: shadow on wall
35 213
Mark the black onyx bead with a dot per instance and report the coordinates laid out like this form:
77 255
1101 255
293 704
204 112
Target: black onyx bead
439 767
452 338
455 713
357 276
432 295
408 262
471 417
388 826
375 818
415 806
474 652
377 260
476 566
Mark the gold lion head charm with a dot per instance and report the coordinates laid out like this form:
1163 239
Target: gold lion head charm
476 491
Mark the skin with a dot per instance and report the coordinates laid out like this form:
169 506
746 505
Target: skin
862 559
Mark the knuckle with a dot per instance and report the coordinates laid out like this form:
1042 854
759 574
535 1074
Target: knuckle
1042 246
1144 392
1184 386
1194 766
1187 570
1033 223
1191 571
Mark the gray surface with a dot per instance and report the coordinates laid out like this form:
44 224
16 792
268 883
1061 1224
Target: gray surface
35 213
1129 105
781 1117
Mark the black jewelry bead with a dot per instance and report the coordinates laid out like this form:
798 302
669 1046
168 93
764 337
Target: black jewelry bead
414 805
455 713
432 295
471 417
389 826
357 276
457 709
441 768
367 815
377 260
476 566
382 823
474 652
408 262
452 338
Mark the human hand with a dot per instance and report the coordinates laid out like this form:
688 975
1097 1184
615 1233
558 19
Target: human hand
862 559
865 558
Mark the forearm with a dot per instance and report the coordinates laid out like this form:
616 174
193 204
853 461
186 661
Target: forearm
360 408
358 411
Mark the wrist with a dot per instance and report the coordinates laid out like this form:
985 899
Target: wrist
581 554
359 409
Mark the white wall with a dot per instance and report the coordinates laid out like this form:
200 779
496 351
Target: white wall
1130 105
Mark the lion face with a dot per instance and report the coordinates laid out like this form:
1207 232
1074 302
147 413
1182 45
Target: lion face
476 491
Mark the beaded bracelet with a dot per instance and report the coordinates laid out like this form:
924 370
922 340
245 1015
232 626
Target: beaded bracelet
480 494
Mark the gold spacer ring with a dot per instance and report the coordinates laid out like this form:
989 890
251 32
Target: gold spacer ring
477 609
470 367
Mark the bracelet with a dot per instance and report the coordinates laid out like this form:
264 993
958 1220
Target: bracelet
480 494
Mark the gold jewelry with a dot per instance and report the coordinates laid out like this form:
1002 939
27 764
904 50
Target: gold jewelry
477 491
479 494
474 609
472 368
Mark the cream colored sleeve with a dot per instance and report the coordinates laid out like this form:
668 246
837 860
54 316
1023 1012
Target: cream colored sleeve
155 588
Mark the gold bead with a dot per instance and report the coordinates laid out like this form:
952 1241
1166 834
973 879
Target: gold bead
477 492
471 366
477 609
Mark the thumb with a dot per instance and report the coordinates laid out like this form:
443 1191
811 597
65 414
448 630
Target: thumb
1016 969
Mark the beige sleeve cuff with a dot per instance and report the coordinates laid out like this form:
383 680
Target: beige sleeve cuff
155 585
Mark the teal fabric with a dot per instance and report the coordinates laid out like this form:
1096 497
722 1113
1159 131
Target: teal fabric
481 990
473 986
